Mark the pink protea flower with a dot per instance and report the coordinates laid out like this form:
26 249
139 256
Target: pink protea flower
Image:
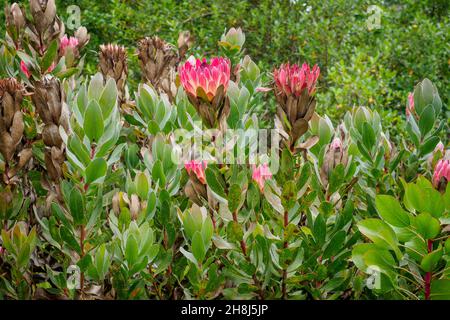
410 104
199 74
66 42
293 79
2 251
261 174
442 171
198 168
25 70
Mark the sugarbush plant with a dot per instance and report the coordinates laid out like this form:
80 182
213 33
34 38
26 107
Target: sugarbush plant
177 188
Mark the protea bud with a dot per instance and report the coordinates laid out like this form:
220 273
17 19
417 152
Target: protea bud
185 42
206 84
233 40
425 94
196 188
49 102
68 44
15 23
294 89
335 153
113 64
261 174
82 36
121 201
158 61
441 175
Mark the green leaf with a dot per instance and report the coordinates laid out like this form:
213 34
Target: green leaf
108 98
440 289
96 170
215 186
93 122
320 229
131 251
380 233
49 56
429 145
158 173
368 136
427 119
69 239
234 197
77 206
430 261
198 247
427 226
335 244
390 210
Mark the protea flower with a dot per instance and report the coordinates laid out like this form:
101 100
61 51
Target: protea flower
441 175
68 43
261 174
335 153
113 64
158 61
294 89
206 84
198 169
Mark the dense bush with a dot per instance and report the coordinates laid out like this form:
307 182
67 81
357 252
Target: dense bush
103 195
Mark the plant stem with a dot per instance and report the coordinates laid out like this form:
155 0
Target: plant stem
82 238
285 245
428 275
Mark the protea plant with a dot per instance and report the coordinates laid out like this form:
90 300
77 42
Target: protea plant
11 128
260 175
294 89
113 64
49 102
206 84
158 61
185 42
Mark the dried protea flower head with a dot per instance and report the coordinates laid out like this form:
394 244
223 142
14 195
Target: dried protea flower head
335 153
11 120
45 26
206 84
113 64
294 89
158 60
11 129
15 23
185 42
48 99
